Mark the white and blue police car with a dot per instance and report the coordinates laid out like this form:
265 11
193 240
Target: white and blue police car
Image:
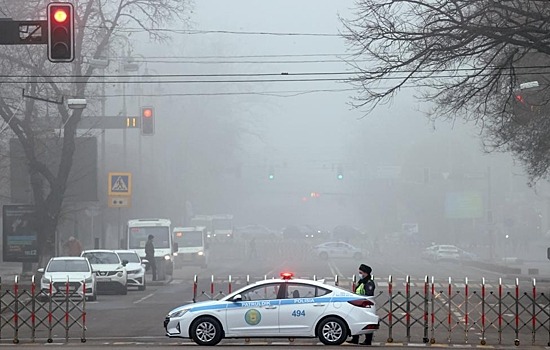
284 307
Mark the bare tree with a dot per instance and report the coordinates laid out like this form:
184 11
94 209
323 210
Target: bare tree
469 58
99 26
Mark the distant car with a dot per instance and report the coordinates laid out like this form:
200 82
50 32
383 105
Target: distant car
283 307
467 256
441 252
135 268
346 233
255 231
303 232
337 250
110 270
77 271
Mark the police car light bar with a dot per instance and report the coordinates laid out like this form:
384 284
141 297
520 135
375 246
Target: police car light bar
287 275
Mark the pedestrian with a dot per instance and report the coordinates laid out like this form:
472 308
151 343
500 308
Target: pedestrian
150 256
365 286
73 247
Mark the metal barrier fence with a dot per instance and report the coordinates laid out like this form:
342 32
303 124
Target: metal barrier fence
431 312
32 314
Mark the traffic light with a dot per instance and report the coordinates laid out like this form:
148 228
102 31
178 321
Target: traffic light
147 121
340 173
60 32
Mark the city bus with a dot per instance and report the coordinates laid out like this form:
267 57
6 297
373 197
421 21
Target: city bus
140 229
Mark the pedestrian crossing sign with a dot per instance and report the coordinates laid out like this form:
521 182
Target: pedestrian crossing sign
120 184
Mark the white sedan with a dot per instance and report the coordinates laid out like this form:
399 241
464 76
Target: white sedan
284 307
74 273
337 250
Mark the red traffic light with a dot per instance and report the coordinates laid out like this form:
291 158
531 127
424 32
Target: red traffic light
60 32
147 121
60 15
147 112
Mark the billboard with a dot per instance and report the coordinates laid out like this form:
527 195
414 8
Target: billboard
82 182
19 233
463 205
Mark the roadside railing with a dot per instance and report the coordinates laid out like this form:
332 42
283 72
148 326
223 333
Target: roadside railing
430 311
28 313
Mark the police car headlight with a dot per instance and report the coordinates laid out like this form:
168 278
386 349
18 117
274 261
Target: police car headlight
176 254
200 253
119 274
45 280
88 280
167 257
178 313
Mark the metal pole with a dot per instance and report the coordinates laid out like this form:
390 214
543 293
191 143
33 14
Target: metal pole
466 290
103 167
119 228
390 312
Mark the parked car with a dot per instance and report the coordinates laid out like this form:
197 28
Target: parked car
467 256
110 270
76 271
441 252
337 250
256 231
135 268
283 307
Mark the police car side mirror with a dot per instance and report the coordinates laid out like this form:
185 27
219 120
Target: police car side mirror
40 270
548 253
237 297
124 262
176 247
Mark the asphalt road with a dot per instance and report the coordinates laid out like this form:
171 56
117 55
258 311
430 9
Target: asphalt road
137 318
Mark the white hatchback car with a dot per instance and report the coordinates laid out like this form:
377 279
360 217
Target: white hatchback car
337 250
441 252
273 308
135 268
110 270
76 271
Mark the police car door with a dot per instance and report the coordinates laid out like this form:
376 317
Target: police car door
303 306
257 314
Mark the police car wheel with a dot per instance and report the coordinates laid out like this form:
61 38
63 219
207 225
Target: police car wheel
206 331
332 331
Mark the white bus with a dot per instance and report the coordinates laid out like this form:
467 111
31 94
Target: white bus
192 246
140 229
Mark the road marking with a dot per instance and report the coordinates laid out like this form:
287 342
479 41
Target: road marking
144 298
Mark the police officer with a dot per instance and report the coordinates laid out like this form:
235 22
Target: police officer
365 286
150 255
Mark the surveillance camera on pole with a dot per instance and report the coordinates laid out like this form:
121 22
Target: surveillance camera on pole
76 103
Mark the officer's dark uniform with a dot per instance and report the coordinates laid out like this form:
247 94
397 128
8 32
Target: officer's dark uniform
365 286
150 255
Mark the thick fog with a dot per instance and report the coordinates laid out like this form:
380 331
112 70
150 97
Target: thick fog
216 142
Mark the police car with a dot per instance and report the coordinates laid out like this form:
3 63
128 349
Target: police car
284 307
